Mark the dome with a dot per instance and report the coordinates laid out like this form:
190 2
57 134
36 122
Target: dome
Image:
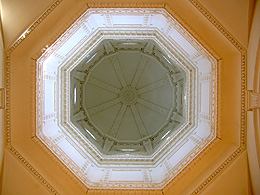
130 99
135 98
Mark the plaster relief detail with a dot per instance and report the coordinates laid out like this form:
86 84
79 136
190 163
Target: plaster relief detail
253 100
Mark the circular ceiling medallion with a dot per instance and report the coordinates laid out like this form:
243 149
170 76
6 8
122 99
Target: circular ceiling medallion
128 95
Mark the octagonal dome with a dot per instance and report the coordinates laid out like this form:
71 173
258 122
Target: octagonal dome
129 98
70 83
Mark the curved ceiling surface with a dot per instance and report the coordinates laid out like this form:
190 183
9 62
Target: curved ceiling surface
139 62
129 97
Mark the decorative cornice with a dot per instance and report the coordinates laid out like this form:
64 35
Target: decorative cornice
33 133
34 25
191 164
7 123
223 166
59 162
217 24
130 192
188 29
33 97
32 170
126 5
7 111
242 50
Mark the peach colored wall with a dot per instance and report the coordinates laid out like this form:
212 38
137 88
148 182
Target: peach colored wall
232 20
17 180
19 15
233 180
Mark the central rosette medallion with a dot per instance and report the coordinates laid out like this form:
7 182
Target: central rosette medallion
128 95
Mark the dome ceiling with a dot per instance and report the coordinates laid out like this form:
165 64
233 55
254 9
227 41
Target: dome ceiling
133 98
130 99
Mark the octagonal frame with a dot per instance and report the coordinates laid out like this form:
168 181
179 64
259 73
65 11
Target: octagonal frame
187 141
103 159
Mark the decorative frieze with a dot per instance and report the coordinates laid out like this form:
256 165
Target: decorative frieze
57 139
49 117
204 117
205 77
50 77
